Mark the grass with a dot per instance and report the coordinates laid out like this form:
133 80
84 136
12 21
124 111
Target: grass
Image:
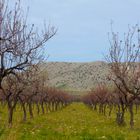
75 122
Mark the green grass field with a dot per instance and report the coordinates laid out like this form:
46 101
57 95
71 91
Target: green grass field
75 122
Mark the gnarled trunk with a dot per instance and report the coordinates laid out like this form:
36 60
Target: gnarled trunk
120 115
11 108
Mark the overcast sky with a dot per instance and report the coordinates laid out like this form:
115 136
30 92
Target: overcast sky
83 25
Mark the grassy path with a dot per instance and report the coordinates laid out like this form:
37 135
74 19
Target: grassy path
75 122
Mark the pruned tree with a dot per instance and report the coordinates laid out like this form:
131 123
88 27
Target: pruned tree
13 87
124 61
21 46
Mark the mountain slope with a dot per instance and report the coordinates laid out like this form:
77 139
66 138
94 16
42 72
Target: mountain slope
76 76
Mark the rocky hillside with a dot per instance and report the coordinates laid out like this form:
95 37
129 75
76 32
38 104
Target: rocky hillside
76 76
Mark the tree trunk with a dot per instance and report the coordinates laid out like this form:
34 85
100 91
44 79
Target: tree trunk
10 111
104 109
136 108
30 110
110 109
95 107
38 109
24 112
49 107
100 108
131 115
46 107
42 107
120 115
119 110
10 115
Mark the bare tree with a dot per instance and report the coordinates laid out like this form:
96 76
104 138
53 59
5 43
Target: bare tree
20 44
32 85
13 87
124 61
20 47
